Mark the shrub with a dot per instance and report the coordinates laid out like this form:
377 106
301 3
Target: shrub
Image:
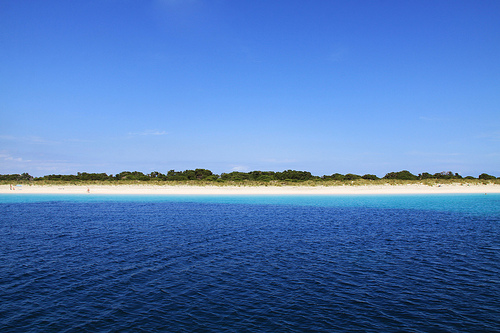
402 175
351 176
370 177
485 176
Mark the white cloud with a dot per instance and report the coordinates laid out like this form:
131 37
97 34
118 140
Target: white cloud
149 133
27 139
432 154
240 168
279 161
431 119
9 158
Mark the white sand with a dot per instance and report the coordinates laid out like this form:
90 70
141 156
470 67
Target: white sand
251 190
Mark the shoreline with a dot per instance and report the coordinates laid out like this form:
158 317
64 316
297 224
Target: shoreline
251 190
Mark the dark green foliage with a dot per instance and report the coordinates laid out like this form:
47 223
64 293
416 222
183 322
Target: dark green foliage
26 176
11 177
447 175
351 176
485 176
267 175
262 175
402 175
264 178
237 176
294 175
135 175
441 175
80 176
65 178
335 176
425 175
176 175
92 176
16 177
198 174
190 174
203 174
155 175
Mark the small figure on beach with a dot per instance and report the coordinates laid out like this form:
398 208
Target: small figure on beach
88 190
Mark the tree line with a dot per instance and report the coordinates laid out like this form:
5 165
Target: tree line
236 176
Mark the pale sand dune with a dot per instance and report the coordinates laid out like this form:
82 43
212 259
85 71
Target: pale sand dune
250 190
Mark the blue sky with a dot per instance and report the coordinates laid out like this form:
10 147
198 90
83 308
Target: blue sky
323 86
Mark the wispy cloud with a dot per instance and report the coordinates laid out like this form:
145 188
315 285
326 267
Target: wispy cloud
28 139
279 161
9 158
493 136
431 119
433 154
240 168
149 133
38 166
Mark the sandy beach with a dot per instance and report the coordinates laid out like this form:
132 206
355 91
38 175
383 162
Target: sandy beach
250 190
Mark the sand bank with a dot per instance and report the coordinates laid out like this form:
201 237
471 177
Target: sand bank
250 190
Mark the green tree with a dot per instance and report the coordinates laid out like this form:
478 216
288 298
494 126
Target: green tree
157 175
16 177
134 175
425 175
176 175
204 174
447 175
235 176
294 175
335 176
485 176
402 175
351 176
92 176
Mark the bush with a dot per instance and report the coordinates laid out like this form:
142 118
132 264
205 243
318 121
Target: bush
335 176
16 177
351 176
425 175
402 175
485 176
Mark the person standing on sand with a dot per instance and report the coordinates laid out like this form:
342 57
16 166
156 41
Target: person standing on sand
88 190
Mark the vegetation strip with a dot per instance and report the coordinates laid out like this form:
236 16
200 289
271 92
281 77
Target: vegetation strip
253 178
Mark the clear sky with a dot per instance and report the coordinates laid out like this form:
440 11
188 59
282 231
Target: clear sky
322 86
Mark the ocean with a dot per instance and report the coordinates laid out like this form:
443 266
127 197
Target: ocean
365 263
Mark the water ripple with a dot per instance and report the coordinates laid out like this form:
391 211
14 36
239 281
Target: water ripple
175 266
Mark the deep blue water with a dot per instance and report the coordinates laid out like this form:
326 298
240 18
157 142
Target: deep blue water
250 264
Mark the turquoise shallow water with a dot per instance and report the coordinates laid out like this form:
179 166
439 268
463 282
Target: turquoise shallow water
91 263
465 203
